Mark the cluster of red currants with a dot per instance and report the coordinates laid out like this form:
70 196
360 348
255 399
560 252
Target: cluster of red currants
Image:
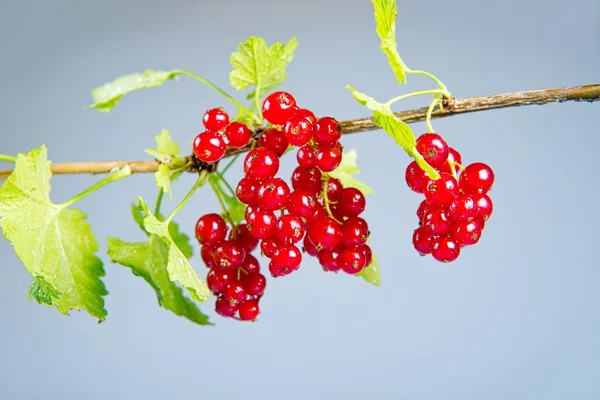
210 146
456 206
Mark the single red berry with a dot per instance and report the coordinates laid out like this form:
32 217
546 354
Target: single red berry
250 208
334 189
306 157
235 292
309 247
298 131
270 246
237 134
484 205
261 164
354 232
335 211
325 233
453 158
307 178
352 260
327 131
273 194
445 249
290 229
261 223
224 308
273 140
467 233
215 119
433 148
207 253
303 112
288 257
229 255
243 236
462 208
441 192
329 157
249 310
424 207
352 202
278 107
217 279
255 284
437 222
301 202
330 259
247 190
211 229
422 240
477 178
278 270
209 147
366 249
250 264
416 178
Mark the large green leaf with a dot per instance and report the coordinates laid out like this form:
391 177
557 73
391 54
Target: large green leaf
385 18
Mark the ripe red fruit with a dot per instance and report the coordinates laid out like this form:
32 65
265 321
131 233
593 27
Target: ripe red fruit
352 260
235 293
462 208
247 190
237 135
273 194
301 202
250 264
329 157
273 140
467 233
224 308
278 270
290 229
270 246
306 157
416 178
477 178
229 255
309 247
445 249
307 178
218 279
215 119
424 207
243 236
209 147
261 164
207 253
433 148
484 205
278 107
298 131
441 192
325 233
249 310
255 283
330 259
327 131
453 157
334 189
261 223
368 254
288 257
302 112
352 202
354 232
437 222
422 240
211 229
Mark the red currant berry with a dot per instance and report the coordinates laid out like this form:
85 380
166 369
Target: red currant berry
229 255
441 192
250 264
237 134
424 207
307 178
484 205
437 222
290 229
329 157
303 112
209 147
467 233
273 140
211 229
235 292
477 178
445 249
453 158
270 246
215 119
261 223
278 270
246 190
224 308
207 253
243 236
334 189
422 240
354 232
330 259
309 247
416 178
352 260
366 249
327 131
261 164
462 208
433 148
255 283
273 194
249 310
217 279
288 257
298 131
278 107
302 203
352 202
306 157
325 233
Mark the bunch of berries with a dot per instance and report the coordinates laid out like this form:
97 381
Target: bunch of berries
456 206
210 146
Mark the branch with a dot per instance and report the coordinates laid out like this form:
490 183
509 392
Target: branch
589 93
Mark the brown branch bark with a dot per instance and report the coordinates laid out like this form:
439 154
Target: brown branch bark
589 93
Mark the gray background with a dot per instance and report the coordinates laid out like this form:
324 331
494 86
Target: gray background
516 317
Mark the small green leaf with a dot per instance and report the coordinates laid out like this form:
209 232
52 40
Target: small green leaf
165 144
53 241
108 95
372 273
42 291
255 63
149 261
163 179
347 169
178 266
181 240
167 152
138 217
385 17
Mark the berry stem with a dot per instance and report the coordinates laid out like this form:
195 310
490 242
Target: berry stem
224 181
326 198
222 204
432 77
442 92
202 176
229 164
9 159
113 177
429 113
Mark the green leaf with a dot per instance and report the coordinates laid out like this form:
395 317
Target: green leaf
149 260
255 63
163 179
396 128
138 217
167 152
54 242
178 266
42 291
385 18
347 169
372 273
181 240
108 95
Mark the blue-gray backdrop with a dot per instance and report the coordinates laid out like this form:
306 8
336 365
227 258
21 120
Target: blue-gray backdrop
516 317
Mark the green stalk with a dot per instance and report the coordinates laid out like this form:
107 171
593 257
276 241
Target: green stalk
113 177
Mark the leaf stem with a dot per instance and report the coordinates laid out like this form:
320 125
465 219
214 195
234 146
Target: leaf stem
223 207
199 182
229 164
224 181
9 159
432 77
420 93
257 103
159 198
429 113
113 177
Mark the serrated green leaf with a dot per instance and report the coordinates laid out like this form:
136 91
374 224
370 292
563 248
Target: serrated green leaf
347 169
53 241
181 240
165 144
163 179
255 63
372 273
42 291
108 95
149 261
138 217
385 18
167 152
178 266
